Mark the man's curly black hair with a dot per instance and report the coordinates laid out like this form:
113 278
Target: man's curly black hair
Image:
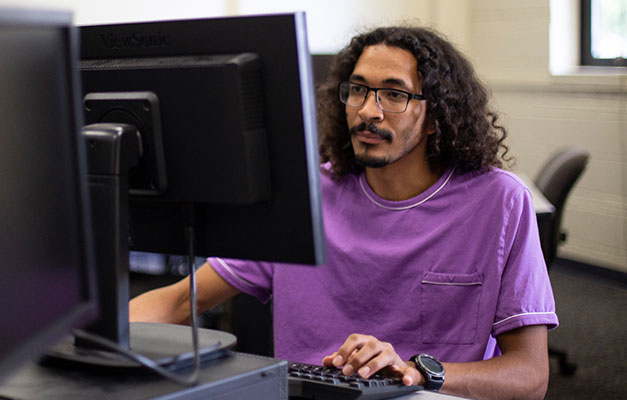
466 136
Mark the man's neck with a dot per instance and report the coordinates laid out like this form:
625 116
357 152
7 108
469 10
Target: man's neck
404 179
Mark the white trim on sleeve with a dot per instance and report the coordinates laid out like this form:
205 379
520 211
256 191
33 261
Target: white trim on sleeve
230 270
519 315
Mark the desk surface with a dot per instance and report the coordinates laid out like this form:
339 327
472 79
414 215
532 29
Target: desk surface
426 395
239 374
544 208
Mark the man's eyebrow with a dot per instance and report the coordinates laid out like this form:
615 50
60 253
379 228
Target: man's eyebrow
356 77
397 82
389 81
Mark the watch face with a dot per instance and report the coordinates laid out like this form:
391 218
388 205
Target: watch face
432 365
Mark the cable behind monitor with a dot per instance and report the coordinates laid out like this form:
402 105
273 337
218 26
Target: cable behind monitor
186 380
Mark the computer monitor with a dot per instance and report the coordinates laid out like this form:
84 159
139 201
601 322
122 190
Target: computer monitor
237 126
46 261
226 139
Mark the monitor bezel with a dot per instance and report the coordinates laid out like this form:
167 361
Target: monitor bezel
86 310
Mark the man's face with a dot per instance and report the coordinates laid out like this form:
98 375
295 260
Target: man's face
380 138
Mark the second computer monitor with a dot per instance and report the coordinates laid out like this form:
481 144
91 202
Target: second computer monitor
47 280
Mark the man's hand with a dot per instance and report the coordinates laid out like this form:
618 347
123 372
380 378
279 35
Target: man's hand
367 355
521 371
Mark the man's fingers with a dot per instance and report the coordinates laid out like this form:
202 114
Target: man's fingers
363 354
328 360
341 357
372 357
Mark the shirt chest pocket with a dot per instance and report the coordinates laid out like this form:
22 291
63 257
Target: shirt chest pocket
450 307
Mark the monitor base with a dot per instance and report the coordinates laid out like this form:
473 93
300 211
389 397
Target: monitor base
168 345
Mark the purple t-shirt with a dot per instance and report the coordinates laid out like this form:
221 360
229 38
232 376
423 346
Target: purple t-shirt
442 273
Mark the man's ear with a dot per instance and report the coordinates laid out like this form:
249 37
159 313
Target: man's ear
429 126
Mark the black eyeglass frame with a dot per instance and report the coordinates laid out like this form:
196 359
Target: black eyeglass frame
410 96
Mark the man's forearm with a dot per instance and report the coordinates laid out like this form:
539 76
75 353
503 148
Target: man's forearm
171 304
166 305
506 376
521 372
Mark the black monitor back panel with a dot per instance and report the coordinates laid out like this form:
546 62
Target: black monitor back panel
256 195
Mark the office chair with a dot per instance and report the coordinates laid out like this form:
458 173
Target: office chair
555 180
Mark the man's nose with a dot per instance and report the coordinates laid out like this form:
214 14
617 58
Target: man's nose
370 109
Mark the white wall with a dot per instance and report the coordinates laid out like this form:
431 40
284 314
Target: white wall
98 11
331 22
544 112
509 43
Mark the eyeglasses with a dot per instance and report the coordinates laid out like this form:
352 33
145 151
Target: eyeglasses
388 100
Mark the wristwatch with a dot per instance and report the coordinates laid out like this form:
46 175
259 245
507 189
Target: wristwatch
431 369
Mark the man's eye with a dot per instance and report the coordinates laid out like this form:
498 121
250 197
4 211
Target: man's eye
393 95
357 89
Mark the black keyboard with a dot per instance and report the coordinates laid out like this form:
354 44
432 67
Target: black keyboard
315 382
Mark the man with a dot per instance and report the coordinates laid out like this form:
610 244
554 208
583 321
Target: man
431 248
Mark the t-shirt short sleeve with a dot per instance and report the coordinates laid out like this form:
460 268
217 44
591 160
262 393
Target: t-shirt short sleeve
526 297
251 277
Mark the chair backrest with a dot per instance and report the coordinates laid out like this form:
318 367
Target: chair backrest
555 180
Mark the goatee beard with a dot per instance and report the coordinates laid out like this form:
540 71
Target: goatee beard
364 160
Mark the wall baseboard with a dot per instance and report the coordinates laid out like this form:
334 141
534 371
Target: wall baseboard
619 277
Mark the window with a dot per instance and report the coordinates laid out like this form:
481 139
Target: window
604 32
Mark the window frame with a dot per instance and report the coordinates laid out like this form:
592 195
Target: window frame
587 59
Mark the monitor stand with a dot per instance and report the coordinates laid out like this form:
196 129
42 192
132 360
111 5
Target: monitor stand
112 150
166 344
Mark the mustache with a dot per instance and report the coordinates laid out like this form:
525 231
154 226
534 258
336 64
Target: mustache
372 128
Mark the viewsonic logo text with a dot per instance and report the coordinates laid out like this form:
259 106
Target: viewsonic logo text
135 40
